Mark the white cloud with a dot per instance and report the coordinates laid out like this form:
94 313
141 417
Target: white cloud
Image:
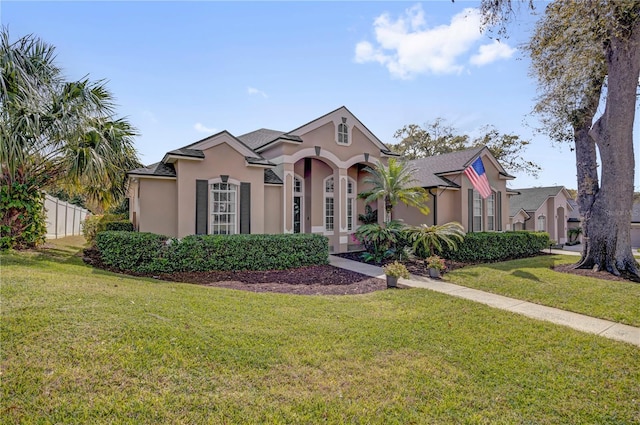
492 52
201 128
407 47
253 90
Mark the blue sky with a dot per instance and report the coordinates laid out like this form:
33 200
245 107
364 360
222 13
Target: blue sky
183 70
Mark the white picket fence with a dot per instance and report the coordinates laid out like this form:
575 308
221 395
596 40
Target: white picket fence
63 218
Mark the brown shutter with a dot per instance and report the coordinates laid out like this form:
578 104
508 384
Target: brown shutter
245 207
470 206
202 207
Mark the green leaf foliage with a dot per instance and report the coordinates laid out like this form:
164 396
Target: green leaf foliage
120 225
497 246
22 216
382 241
95 224
151 253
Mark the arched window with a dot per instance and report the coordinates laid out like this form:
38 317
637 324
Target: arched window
329 214
343 134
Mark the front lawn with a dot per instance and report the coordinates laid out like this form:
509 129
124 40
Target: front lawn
531 279
86 346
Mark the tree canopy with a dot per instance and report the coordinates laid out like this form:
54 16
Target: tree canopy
56 132
586 58
394 183
438 137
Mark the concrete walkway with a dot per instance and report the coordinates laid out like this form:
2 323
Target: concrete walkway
577 321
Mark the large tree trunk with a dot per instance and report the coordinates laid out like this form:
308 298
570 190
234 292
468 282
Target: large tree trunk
608 219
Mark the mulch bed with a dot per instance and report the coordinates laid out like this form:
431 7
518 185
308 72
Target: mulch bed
310 280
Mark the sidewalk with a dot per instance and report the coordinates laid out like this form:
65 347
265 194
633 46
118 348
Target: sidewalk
577 321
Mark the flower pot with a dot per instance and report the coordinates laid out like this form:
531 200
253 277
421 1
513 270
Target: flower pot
434 273
392 281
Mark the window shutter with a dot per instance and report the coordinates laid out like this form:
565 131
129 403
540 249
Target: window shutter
499 227
470 207
202 207
245 207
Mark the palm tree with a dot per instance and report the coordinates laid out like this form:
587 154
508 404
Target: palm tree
55 132
394 183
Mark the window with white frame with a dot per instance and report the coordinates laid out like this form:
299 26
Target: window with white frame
329 213
343 134
224 208
491 214
542 223
477 211
297 185
351 204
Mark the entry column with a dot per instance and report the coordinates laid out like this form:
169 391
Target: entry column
341 235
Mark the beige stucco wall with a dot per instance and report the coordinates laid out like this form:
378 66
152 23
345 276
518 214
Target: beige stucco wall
158 207
219 160
517 221
273 209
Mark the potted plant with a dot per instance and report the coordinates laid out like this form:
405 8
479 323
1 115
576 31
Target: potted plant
435 265
394 271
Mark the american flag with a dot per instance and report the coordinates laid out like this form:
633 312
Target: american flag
475 173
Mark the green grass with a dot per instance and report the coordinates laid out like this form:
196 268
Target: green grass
85 346
531 279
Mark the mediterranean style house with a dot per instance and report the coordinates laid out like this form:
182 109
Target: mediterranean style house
547 209
301 181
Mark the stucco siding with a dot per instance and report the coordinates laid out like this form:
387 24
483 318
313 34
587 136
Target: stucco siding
273 209
220 160
158 207
449 206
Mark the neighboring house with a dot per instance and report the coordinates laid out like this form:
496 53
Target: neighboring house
302 181
452 196
542 209
575 219
635 225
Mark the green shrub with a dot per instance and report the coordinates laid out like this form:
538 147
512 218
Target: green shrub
150 253
498 246
22 216
94 224
132 251
122 226
382 241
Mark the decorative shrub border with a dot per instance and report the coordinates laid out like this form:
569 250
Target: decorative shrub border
498 246
151 253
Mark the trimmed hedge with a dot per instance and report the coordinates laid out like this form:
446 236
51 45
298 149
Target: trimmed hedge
94 224
119 226
498 246
151 253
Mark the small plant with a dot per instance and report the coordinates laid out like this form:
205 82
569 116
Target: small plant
396 269
435 262
380 241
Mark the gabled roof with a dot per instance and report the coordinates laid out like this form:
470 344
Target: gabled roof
530 199
194 153
574 213
384 149
270 177
159 169
262 137
431 171
162 170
